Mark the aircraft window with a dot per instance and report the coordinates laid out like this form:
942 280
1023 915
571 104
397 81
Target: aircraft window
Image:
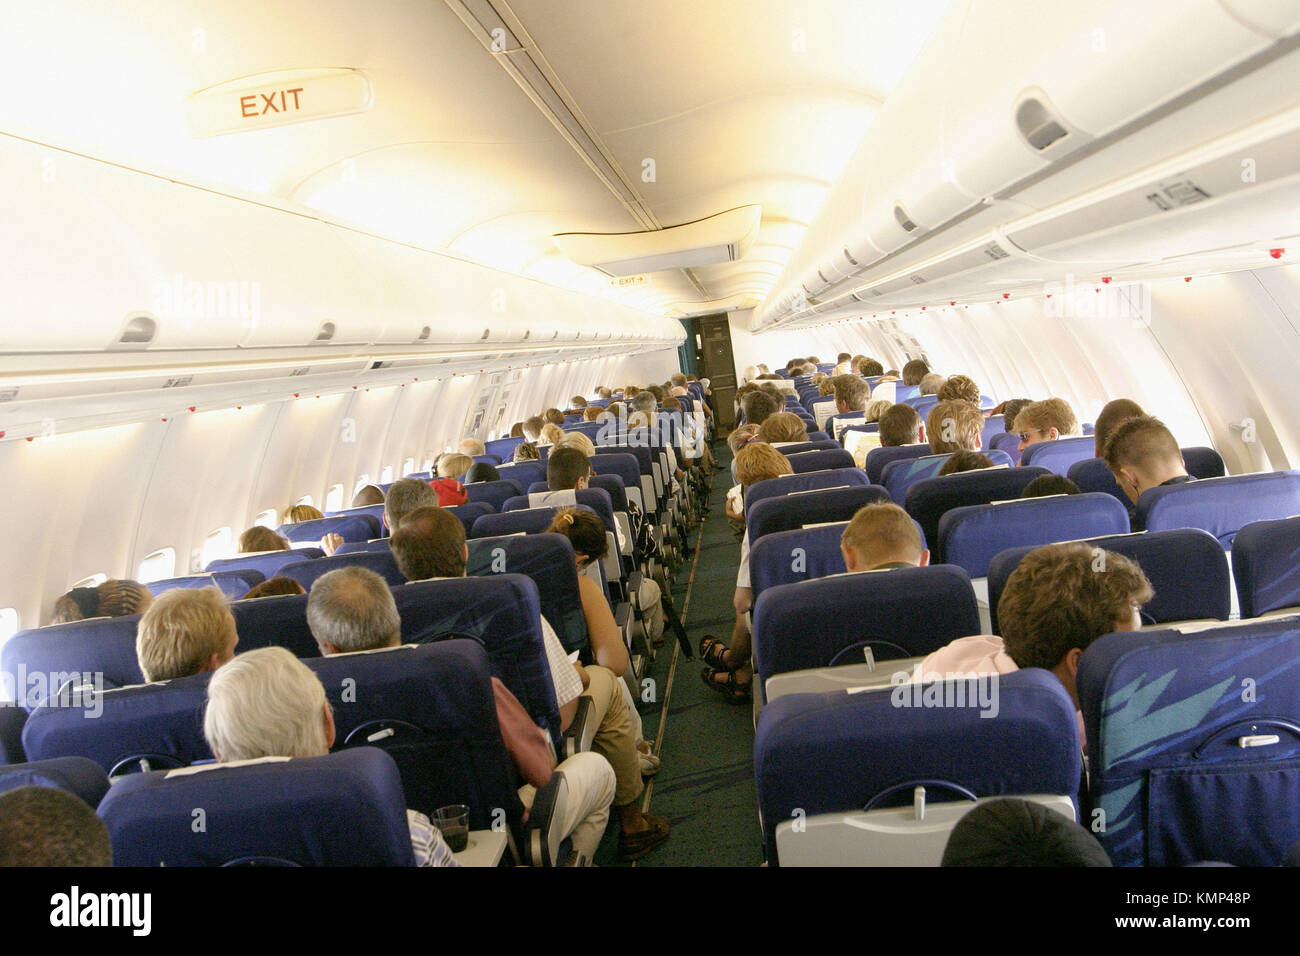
8 624
334 498
218 544
305 500
267 519
361 483
94 581
408 466
386 475
428 465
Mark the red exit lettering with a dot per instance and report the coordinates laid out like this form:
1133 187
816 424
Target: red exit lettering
277 101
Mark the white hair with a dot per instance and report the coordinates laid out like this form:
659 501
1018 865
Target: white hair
265 703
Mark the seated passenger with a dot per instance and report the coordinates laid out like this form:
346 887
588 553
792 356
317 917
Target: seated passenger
258 539
1060 599
533 428
550 434
447 485
430 544
783 428
471 448
758 406
964 461
525 451
881 537
112 598
851 395
1046 485
1142 454
269 704
276 586
901 425
481 471
185 632
330 542
369 495
517 430
1016 832
553 416
954 426
405 496
46 826
577 441
1112 415
930 384
871 368
1047 420
352 609
959 388
914 371
592 412
1008 410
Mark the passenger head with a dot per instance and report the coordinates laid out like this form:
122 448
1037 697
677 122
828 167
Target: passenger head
603 392
77 605
875 408
882 533
954 426
1061 598
517 430
851 393
352 609
533 428
579 441
525 451
429 543
758 406
481 471
961 461
578 402
454 464
554 416
1142 453
872 368
1047 420
186 631
901 425
930 383
592 412
1110 417
550 434
742 436
1045 485
645 401
678 380
1010 409
369 495
567 469
302 513
113 598
267 703
914 371
585 531
759 461
783 427
1017 832
404 497
259 538
471 447
276 586
959 388
46 826
842 358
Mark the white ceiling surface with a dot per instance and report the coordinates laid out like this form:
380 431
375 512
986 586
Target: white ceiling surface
736 101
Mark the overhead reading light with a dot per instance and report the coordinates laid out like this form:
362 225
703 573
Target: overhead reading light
725 237
278 98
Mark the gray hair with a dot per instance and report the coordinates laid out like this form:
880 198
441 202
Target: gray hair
353 609
265 703
404 497
931 383
645 402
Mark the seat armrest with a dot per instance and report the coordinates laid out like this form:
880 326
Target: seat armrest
581 730
543 839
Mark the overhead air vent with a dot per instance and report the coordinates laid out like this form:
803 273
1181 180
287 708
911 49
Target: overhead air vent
140 328
917 278
180 381
848 255
1038 124
326 332
995 252
424 334
903 218
375 365
300 370
8 394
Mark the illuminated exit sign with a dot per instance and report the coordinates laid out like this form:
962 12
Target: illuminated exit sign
623 282
277 99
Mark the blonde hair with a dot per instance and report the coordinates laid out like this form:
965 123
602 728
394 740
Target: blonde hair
265 703
783 426
180 631
261 538
454 464
759 461
299 513
1049 413
551 434
578 441
883 532
954 426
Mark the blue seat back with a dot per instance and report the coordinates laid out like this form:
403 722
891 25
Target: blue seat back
343 809
80 777
1266 565
380 561
358 527
548 560
878 458
621 464
378 544
525 521
523 473
469 512
1221 506
809 749
233 584
994 425
1009 444
929 499
787 512
373 511
898 475
1057 456
268 563
805 446
1091 474
829 458
906 612
503 448
1187 731
36 658
613 486
1203 462
1187 570
493 493
597 499
279 621
807 481
785 557
922 404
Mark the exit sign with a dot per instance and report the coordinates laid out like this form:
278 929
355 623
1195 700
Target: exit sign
277 99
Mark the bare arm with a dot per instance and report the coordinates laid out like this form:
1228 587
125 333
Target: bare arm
606 642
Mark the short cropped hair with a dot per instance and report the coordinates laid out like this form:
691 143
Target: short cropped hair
1045 485
1141 442
954 426
644 401
759 461
1063 596
585 531
472 447
405 496
1015 832
369 495
960 387
758 406
883 528
429 543
1010 409
872 367
852 391
533 427
564 467
914 371
1112 415
353 609
454 464
180 631
960 461
1049 413
265 703
900 425
783 426
46 826
930 383
261 538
